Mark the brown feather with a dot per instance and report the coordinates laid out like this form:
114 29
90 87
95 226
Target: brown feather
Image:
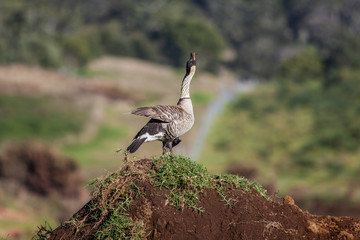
165 113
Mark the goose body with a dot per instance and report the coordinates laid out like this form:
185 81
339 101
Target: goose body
168 122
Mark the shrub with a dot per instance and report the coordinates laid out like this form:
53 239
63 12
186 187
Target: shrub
303 66
188 34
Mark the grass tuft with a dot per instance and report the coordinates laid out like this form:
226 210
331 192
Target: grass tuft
186 180
112 199
43 233
119 225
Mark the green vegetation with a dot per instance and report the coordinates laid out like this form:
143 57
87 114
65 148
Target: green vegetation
260 34
119 226
68 33
110 206
44 117
197 34
43 232
90 154
299 133
201 97
186 180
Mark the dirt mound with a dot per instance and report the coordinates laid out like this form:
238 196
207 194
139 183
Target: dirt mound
174 198
41 170
318 206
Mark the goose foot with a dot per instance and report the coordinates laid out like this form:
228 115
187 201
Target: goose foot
166 146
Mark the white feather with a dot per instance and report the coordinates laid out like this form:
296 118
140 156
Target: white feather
150 138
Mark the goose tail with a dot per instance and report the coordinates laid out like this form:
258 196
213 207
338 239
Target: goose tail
135 145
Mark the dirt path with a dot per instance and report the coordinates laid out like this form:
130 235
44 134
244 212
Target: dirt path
213 110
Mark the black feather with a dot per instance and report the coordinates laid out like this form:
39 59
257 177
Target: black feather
153 127
135 145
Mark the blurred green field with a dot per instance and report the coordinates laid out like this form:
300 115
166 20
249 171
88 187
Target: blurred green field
20 218
99 153
42 117
292 139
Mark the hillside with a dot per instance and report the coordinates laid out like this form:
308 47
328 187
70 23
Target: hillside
175 198
301 138
85 117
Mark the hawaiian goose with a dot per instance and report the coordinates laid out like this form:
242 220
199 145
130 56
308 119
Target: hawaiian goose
168 123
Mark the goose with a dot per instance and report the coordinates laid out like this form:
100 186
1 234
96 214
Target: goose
168 122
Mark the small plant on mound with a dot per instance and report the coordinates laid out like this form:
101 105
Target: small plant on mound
186 180
43 233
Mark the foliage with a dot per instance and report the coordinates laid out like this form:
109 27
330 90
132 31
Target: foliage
190 34
335 115
303 66
262 34
71 33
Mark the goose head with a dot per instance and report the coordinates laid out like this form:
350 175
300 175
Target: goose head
191 63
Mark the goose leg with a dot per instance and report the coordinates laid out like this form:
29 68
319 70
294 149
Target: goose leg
170 147
164 148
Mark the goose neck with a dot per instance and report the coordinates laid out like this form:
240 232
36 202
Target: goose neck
185 86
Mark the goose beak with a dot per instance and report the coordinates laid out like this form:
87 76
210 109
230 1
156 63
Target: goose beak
193 56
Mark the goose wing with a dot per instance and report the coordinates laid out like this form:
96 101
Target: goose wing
163 113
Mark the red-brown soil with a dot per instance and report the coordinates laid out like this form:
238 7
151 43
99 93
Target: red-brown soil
341 207
250 216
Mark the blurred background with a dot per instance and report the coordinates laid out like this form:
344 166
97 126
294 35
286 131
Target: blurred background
276 97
